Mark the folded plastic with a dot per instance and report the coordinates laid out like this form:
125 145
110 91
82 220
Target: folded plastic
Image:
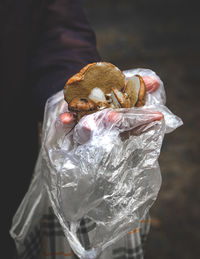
109 173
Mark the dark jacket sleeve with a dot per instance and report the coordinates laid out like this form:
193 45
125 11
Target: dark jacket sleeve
66 43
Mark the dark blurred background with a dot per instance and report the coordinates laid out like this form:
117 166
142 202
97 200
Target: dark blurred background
165 37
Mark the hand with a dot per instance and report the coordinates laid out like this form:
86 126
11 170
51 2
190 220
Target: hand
127 122
151 83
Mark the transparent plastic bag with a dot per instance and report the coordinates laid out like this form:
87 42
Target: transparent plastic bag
101 169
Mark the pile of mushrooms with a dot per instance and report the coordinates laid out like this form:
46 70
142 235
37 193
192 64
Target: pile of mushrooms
102 85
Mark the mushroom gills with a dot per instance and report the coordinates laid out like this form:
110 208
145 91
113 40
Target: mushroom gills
115 100
81 104
120 100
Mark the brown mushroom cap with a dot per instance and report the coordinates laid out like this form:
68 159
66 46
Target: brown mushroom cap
81 104
102 75
142 93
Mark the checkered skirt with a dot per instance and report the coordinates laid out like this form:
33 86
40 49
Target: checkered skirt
47 241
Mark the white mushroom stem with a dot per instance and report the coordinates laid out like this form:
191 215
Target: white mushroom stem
97 95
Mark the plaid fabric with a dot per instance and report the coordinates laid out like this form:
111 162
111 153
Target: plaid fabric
48 241
32 245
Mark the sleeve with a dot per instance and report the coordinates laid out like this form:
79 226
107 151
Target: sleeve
66 44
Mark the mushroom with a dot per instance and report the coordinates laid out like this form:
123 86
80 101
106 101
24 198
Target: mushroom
100 75
81 106
97 95
120 100
101 85
136 91
142 93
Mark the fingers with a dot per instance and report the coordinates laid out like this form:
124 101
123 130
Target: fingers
84 129
131 119
140 127
113 117
151 83
126 119
154 116
110 120
66 118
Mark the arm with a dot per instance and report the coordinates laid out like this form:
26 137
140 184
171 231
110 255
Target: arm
66 44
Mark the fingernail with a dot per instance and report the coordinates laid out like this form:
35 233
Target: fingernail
66 118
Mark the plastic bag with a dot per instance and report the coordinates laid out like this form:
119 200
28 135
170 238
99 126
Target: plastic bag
109 174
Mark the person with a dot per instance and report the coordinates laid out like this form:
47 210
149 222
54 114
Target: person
43 43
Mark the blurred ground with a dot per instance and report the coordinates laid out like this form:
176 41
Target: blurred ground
163 36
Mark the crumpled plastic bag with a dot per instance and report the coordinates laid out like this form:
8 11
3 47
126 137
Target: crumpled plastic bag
109 174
